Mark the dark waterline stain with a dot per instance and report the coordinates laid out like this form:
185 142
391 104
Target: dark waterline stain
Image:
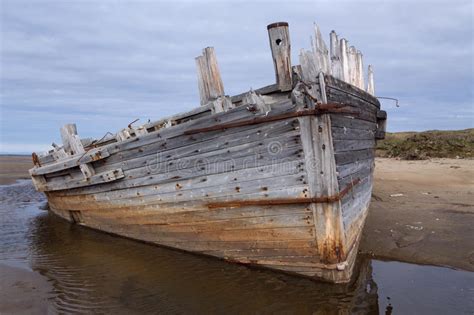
93 272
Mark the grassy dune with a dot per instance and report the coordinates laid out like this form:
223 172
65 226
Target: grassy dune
428 144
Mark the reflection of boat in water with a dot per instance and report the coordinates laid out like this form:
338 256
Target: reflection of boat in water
100 273
279 177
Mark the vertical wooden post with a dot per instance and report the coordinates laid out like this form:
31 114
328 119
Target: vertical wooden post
309 66
344 60
71 139
370 81
352 56
335 52
360 70
66 131
320 50
279 37
209 78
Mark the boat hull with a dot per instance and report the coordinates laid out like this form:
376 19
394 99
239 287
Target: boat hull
277 181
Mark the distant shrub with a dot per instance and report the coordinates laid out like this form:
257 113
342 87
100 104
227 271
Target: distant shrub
428 144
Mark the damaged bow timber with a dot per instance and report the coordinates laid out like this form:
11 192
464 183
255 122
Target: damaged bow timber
278 177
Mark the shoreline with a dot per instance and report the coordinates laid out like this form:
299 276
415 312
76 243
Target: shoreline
14 167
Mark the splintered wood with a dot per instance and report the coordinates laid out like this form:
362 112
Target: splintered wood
341 61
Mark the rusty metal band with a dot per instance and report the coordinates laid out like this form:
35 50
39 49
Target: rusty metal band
285 201
328 108
277 24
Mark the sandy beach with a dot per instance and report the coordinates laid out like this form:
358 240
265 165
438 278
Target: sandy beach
13 167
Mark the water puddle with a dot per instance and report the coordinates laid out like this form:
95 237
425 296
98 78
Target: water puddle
89 271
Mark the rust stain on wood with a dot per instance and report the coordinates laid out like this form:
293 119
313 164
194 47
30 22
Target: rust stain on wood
319 110
284 201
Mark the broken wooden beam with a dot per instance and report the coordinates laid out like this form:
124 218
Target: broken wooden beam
320 51
209 78
73 146
335 56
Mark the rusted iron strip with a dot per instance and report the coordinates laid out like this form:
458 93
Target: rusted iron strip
285 201
320 109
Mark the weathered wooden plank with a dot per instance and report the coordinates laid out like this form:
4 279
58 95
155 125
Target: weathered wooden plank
360 71
370 81
58 153
319 155
345 133
228 246
177 213
344 60
361 173
381 124
178 130
352 145
73 146
357 204
309 66
93 180
90 156
350 89
159 235
354 100
242 224
66 131
364 186
352 168
352 61
203 179
39 181
173 193
353 156
290 254
181 158
147 139
185 146
209 79
320 51
335 53
269 89
353 123
262 160
201 198
279 38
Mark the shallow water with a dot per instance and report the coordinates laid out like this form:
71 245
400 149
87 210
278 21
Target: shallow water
93 272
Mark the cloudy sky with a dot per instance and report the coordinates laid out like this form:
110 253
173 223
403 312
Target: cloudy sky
102 64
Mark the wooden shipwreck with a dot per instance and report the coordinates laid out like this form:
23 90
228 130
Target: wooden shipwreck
279 177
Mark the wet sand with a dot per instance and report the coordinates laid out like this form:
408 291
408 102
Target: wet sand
23 291
422 212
